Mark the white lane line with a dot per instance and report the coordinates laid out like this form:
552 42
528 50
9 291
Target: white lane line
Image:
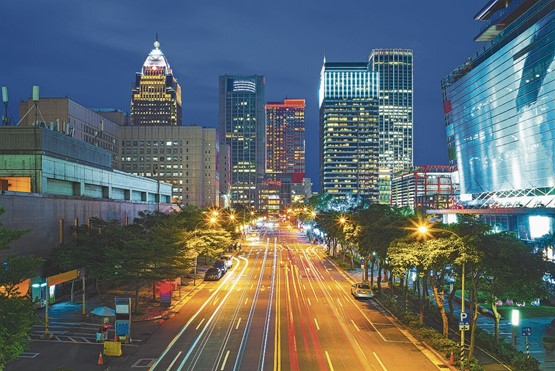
225 360
174 360
354 324
238 322
329 361
252 286
309 303
246 300
200 323
379 360
316 322
339 302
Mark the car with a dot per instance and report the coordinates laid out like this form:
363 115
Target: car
222 265
213 274
253 236
362 290
228 259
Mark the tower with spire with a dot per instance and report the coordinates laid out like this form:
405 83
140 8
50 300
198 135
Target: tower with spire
156 95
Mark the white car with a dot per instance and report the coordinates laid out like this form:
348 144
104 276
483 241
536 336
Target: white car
362 290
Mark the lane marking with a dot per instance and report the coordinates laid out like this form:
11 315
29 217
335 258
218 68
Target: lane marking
309 303
174 360
246 300
238 322
354 324
379 360
225 360
329 361
339 302
317 326
200 323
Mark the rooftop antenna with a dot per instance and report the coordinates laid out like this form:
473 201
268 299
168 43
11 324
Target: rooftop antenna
5 119
35 106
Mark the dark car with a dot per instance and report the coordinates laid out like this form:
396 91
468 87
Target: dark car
221 264
213 274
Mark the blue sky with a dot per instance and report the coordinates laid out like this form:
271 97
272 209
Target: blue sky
90 51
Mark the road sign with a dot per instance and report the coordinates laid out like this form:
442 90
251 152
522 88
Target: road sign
464 326
526 331
464 318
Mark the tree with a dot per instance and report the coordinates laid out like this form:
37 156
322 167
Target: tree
16 312
512 270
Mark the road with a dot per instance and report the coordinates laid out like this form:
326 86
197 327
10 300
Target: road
283 306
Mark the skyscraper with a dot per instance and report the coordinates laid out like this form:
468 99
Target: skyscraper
348 101
156 95
395 69
285 142
242 127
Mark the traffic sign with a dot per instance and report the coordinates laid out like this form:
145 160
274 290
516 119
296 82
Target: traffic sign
464 318
526 331
464 326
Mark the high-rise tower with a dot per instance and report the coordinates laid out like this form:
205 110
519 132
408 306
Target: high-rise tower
395 69
348 101
285 142
156 95
242 127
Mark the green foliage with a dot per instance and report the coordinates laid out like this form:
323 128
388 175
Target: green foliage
16 321
7 236
15 270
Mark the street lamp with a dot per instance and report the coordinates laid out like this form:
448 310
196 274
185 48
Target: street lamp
425 231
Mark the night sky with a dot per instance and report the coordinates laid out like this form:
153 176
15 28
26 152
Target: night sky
90 51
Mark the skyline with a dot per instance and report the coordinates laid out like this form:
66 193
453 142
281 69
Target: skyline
91 52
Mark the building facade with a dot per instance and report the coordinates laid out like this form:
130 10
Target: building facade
499 109
428 187
68 116
50 181
242 127
395 71
285 141
156 95
185 156
349 130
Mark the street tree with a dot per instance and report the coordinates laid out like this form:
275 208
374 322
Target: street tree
17 316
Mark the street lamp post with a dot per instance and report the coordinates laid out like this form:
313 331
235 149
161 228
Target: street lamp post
424 230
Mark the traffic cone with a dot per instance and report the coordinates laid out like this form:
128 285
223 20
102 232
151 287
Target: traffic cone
100 360
452 359
116 338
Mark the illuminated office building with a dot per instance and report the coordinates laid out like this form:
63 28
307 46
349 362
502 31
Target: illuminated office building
242 127
499 108
395 70
285 144
349 131
156 95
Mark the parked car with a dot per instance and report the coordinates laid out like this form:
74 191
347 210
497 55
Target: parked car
222 265
213 274
362 290
253 236
228 259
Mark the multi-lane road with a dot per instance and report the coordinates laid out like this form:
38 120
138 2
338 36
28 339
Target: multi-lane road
283 306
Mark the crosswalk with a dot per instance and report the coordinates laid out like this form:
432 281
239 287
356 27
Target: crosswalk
71 332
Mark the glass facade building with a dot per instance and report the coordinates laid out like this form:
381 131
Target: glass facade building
348 102
395 71
242 127
499 108
156 95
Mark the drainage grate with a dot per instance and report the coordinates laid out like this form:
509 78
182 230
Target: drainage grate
144 362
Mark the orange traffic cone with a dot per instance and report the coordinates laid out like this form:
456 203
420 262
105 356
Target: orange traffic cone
116 338
452 359
100 360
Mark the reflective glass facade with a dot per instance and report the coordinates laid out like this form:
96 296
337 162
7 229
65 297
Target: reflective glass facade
242 127
500 109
